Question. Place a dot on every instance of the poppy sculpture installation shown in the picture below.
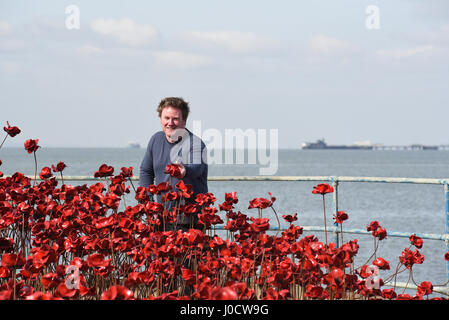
(73, 242)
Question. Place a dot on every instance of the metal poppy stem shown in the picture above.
(4, 140)
(325, 227)
(132, 185)
(35, 167)
(277, 218)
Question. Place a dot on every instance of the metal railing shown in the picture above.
(334, 181)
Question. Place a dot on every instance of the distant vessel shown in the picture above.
(133, 144)
(321, 144)
(366, 145)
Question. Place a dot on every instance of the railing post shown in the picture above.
(335, 198)
(446, 213)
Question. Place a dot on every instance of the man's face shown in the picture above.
(171, 119)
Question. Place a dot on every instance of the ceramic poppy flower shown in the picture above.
(381, 263)
(174, 170)
(12, 131)
(31, 145)
(260, 224)
(117, 293)
(373, 226)
(340, 217)
(205, 198)
(380, 233)
(322, 188)
(416, 241)
(97, 260)
(225, 293)
(425, 288)
(127, 172)
(185, 190)
(59, 167)
(45, 173)
(104, 171)
(389, 294)
(260, 203)
(12, 260)
(231, 197)
(290, 218)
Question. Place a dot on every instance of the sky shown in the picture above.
(338, 70)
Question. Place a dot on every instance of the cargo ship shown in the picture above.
(321, 144)
(133, 144)
(365, 145)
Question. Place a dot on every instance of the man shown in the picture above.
(175, 144)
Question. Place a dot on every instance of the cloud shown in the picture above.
(233, 41)
(179, 59)
(329, 45)
(126, 31)
(10, 67)
(419, 51)
(5, 28)
(88, 49)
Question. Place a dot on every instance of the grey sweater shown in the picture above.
(190, 151)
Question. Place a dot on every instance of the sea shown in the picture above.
(413, 208)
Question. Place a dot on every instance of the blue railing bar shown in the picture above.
(446, 193)
(397, 234)
(332, 179)
(438, 289)
(288, 178)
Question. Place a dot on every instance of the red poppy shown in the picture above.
(446, 256)
(205, 198)
(290, 218)
(231, 197)
(4, 272)
(425, 288)
(373, 226)
(380, 233)
(174, 170)
(104, 171)
(416, 241)
(117, 293)
(97, 260)
(12, 260)
(389, 294)
(409, 258)
(31, 145)
(225, 293)
(127, 172)
(12, 131)
(260, 224)
(313, 291)
(45, 173)
(340, 217)
(381, 263)
(40, 296)
(59, 167)
(50, 280)
(163, 187)
(186, 191)
(65, 292)
(260, 203)
(322, 188)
